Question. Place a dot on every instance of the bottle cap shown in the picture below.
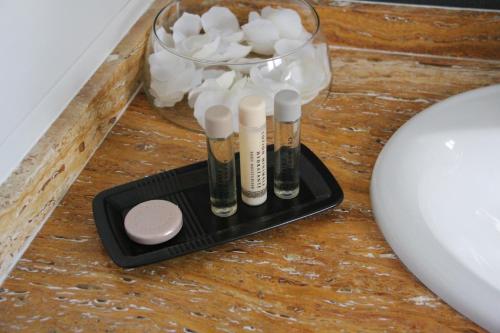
(252, 111)
(218, 122)
(153, 222)
(287, 106)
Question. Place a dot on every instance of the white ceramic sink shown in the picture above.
(435, 193)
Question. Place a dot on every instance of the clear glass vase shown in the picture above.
(181, 86)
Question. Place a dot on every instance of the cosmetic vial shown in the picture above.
(253, 163)
(221, 164)
(287, 113)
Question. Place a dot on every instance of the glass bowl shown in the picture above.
(181, 86)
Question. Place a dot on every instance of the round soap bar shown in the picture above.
(153, 222)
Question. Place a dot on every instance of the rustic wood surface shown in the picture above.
(330, 272)
(34, 189)
(416, 29)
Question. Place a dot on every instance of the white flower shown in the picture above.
(273, 32)
(227, 89)
(219, 20)
(171, 77)
(286, 20)
(216, 81)
(308, 71)
(193, 44)
(187, 25)
(231, 51)
(261, 34)
(268, 80)
(284, 46)
(221, 40)
(208, 50)
(165, 38)
(214, 91)
(253, 16)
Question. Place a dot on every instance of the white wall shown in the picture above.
(48, 50)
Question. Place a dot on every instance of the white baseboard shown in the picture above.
(22, 128)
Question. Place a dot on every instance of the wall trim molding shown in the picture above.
(37, 185)
(21, 139)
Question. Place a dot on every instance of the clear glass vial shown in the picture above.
(287, 113)
(221, 164)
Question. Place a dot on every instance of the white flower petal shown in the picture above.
(208, 49)
(166, 38)
(205, 100)
(307, 76)
(207, 85)
(183, 83)
(168, 100)
(239, 84)
(171, 77)
(310, 75)
(262, 91)
(221, 20)
(241, 89)
(154, 89)
(286, 20)
(266, 49)
(306, 51)
(284, 46)
(267, 81)
(212, 73)
(235, 37)
(270, 78)
(163, 89)
(253, 16)
(221, 82)
(260, 31)
(267, 11)
(234, 51)
(261, 34)
(187, 25)
(196, 79)
(238, 76)
(243, 65)
(165, 65)
(158, 58)
(178, 37)
(246, 87)
(160, 73)
(226, 80)
(193, 44)
(304, 35)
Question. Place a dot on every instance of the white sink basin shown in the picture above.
(435, 193)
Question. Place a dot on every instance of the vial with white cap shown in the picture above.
(253, 162)
(287, 113)
(221, 165)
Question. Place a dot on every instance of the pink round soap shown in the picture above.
(153, 222)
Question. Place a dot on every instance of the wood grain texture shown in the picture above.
(444, 32)
(33, 190)
(330, 272)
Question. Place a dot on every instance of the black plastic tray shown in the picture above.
(188, 188)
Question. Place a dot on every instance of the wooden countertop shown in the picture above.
(330, 272)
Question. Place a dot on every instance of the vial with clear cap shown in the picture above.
(287, 113)
(221, 164)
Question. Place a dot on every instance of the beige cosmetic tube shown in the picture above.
(253, 163)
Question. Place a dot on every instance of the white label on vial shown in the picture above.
(253, 165)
